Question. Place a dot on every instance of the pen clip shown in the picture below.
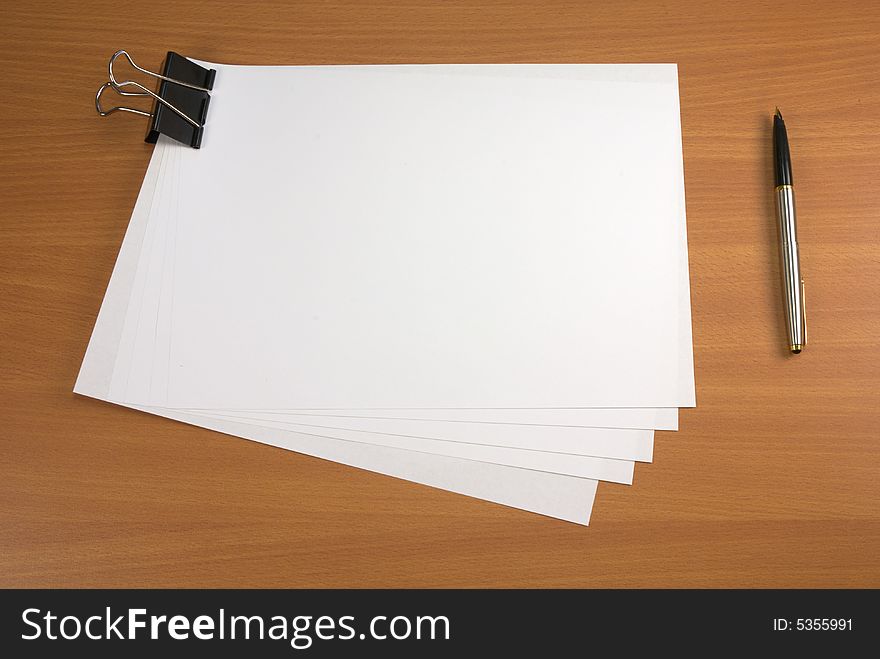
(804, 307)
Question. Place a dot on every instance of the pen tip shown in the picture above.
(778, 113)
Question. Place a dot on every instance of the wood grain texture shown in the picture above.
(772, 480)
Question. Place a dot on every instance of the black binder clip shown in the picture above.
(180, 106)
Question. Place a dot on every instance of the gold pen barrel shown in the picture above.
(791, 269)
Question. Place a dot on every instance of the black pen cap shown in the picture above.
(781, 154)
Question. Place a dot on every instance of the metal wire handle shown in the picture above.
(117, 87)
(122, 53)
(116, 108)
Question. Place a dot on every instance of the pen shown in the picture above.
(792, 283)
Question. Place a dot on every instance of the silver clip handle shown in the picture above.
(117, 87)
(117, 84)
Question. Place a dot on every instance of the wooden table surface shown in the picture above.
(772, 481)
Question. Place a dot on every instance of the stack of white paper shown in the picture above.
(468, 276)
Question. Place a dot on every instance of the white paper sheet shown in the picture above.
(461, 379)
(622, 444)
(564, 497)
(626, 418)
(659, 418)
(585, 466)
